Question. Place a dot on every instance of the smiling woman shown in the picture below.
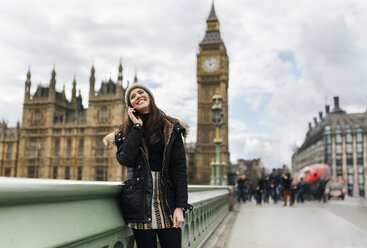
(154, 195)
(139, 99)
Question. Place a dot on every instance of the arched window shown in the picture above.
(101, 149)
(57, 147)
(68, 147)
(32, 171)
(104, 115)
(35, 148)
(9, 152)
(54, 172)
(81, 148)
(101, 173)
(37, 116)
(67, 172)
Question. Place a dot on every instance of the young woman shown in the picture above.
(150, 144)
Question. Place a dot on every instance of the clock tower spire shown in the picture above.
(212, 23)
(212, 75)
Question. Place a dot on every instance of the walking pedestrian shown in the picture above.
(250, 189)
(274, 184)
(266, 189)
(259, 190)
(241, 188)
(301, 190)
(149, 143)
(294, 192)
(287, 182)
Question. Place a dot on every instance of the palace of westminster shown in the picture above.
(60, 139)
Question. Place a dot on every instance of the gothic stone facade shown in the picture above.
(61, 139)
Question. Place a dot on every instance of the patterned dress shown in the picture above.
(160, 219)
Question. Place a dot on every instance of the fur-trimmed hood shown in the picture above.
(171, 122)
(171, 125)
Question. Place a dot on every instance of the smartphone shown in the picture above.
(137, 114)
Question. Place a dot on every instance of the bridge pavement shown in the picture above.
(311, 224)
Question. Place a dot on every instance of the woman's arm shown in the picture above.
(128, 146)
(178, 172)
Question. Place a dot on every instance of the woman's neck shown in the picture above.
(145, 117)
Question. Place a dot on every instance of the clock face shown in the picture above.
(210, 64)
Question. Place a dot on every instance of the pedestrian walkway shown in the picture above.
(352, 201)
(352, 209)
(301, 226)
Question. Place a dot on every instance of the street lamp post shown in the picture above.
(217, 177)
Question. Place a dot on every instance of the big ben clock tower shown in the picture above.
(212, 77)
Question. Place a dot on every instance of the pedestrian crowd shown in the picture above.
(278, 186)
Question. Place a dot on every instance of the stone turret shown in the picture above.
(120, 76)
(27, 91)
(73, 91)
(320, 116)
(337, 108)
(135, 78)
(52, 88)
(327, 109)
(92, 81)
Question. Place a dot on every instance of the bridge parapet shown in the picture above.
(64, 213)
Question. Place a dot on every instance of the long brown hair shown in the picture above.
(153, 129)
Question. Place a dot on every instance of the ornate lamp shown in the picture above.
(217, 177)
(217, 109)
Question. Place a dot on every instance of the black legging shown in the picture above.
(168, 238)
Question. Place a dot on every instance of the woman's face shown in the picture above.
(139, 100)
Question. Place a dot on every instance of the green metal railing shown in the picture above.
(62, 213)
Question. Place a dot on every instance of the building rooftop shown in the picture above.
(337, 119)
(212, 37)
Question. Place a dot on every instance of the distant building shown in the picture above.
(60, 139)
(9, 147)
(285, 169)
(190, 149)
(252, 168)
(338, 139)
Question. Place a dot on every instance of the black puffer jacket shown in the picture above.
(137, 194)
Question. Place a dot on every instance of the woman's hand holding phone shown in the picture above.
(134, 117)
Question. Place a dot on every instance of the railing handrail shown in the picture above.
(29, 190)
(92, 208)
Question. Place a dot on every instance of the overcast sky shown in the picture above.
(288, 58)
